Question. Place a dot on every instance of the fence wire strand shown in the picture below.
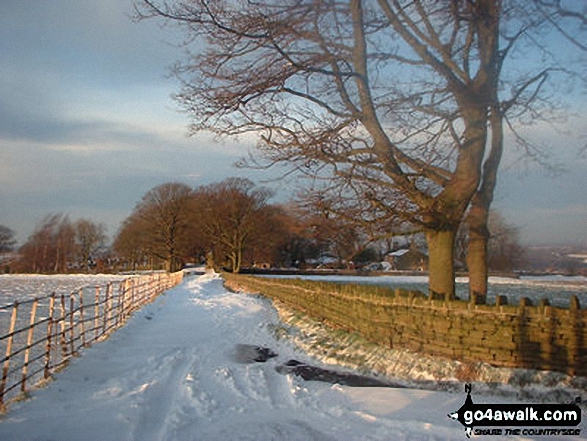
(40, 335)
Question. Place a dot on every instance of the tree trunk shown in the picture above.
(57, 257)
(169, 263)
(441, 263)
(478, 214)
(477, 253)
(210, 260)
(238, 256)
(233, 257)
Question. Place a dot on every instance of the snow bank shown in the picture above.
(172, 373)
(420, 371)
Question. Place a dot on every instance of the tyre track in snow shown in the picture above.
(209, 389)
(157, 401)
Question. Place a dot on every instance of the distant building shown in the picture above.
(323, 262)
(378, 266)
(410, 259)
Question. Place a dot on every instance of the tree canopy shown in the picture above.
(58, 245)
(401, 104)
(229, 220)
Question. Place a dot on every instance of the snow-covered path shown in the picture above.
(172, 373)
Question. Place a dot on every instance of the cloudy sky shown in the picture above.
(88, 126)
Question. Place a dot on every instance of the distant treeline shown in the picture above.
(60, 245)
(231, 225)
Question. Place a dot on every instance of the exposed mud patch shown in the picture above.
(313, 373)
(252, 354)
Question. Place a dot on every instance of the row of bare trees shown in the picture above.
(57, 244)
(231, 224)
(175, 224)
(400, 107)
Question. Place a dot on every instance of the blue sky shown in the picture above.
(87, 122)
(88, 126)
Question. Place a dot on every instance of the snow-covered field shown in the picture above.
(557, 289)
(27, 286)
(176, 372)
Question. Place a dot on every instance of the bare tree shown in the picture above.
(65, 245)
(554, 30)
(49, 248)
(130, 242)
(403, 103)
(163, 217)
(268, 244)
(89, 237)
(298, 241)
(339, 226)
(232, 213)
(504, 250)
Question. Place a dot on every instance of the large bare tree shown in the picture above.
(232, 214)
(50, 248)
(541, 61)
(89, 237)
(163, 216)
(401, 103)
(130, 242)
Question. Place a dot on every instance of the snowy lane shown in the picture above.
(173, 373)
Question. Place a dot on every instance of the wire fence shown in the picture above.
(39, 336)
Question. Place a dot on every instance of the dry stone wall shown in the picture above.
(534, 337)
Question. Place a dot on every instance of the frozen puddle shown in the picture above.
(201, 363)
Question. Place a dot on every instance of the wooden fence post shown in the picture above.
(29, 342)
(133, 295)
(107, 308)
(120, 304)
(97, 313)
(124, 297)
(47, 371)
(71, 324)
(63, 338)
(151, 290)
(147, 292)
(8, 352)
(81, 317)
